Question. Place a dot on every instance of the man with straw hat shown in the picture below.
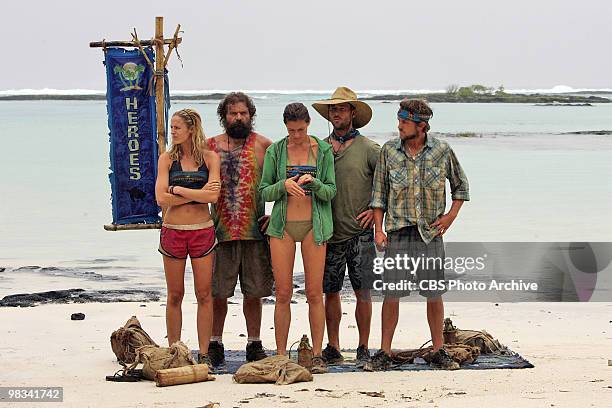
(352, 245)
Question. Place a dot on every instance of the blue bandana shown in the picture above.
(413, 116)
(351, 134)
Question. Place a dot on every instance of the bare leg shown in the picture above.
(333, 315)
(283, 256)
(251, 307)
(390, 316)
(435, 318)
(219, 313)
(363, 315)
(314, 264)
(175, 285)
(202, 281)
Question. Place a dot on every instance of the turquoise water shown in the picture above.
(527, 181)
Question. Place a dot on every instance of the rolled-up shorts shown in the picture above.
(179, 240)
(427, 276)
(247, 259)
(355, 254)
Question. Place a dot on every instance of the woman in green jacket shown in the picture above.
(298, 175)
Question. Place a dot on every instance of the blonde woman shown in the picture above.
(188, 179)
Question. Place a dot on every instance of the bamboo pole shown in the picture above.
(160, 65)
(159, 84)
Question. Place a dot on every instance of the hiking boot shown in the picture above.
(441, 359)
(363, 356)
(255, 351)
(319, 366)
(205, 359)
(331, 355)
(379, 362)
(216, 353)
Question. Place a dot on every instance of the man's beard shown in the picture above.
(238, 129)
(342, 127)
(409, 137)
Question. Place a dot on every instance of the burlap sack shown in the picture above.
(154, 358)
(275, 369)
(480, 339)
(126, 339)
(458, 352)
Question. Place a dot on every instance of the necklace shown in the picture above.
(413, 152)
(233, 169)
(336, 152)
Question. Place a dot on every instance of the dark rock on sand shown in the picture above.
(77, 316)
(79, 296)
(2, 269)
(267, 301)
(28, 268)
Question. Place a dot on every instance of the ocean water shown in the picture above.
(528, 182)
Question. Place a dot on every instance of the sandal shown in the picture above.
(124, 375)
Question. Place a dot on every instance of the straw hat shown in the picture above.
(363, 112)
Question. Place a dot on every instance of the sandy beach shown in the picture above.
(568, 343)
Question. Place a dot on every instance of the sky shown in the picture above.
(318, 44)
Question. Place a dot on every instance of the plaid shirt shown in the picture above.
(412, 190)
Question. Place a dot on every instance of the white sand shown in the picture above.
(569, 344)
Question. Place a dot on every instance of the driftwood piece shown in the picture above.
(145, 43)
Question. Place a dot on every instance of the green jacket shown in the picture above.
(272, 188)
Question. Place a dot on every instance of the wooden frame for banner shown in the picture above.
(161, 60)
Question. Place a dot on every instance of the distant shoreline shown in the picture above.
(51, 97)
(496, 98)
(431, 97)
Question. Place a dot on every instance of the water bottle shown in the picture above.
(305, 353)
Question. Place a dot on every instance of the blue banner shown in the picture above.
(133, 136)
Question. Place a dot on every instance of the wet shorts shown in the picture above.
(247, 259)
(428, 274)
(195, 240)
(355, 254)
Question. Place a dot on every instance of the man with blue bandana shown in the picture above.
(409, 192)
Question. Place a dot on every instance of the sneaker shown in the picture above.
(441, 359)
(319, 366)
(255, 351)
(363, 356)
(379, 362)
(331, 355)
(216, 353)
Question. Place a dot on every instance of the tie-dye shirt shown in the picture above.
(239, 205)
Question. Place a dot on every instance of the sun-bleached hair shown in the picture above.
(198, 140)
